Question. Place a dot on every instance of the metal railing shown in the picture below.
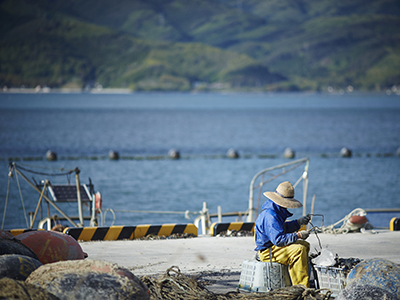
(294, 164)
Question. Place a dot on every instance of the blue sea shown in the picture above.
(143, 127)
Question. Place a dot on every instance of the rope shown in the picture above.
(179, 286)
(343, 229)
(45, 174)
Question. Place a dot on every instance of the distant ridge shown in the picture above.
(201, 45)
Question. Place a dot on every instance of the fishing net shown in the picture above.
(175, 285)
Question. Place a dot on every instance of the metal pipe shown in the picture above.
(78, 195)
(230, 214)
(305, 188)
(382, 210)
(93, 214)
(156, 211)
(250, 217)
(312, 207)
(39, 202)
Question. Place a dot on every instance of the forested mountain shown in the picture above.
(201, 44)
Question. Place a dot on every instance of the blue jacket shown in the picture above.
(271, 227)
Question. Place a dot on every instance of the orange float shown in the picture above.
(51, 246)
(99, 201)
(358, 219)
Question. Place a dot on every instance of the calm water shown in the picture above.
(83, 128)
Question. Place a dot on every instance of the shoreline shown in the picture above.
(127, 91)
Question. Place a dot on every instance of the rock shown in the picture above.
(379, 273)
(14, 289)
(89, 279)
(17, 267)
(365, 292)
(4, 234)
(52, 246)
(14, 246)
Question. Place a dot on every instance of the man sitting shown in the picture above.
(277, 237)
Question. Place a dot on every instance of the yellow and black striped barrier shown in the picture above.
(128, 232)
(395, 224)
(15, 232)
(217, 228)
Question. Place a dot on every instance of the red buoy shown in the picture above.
(51, 246)
(358, 219)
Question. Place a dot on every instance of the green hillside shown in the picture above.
(201, 44)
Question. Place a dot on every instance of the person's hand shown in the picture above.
(304, 220)
(303, 234)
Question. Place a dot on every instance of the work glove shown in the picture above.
(303, 234)
(304, 220)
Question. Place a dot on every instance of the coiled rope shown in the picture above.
(175, 285)
(344, 228)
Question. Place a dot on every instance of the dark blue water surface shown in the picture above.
(83, 128)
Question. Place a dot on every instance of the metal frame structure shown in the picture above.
(293, 164)
(47, 186)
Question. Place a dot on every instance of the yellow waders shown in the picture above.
(295, 256)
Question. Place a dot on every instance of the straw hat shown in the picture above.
(284, 196)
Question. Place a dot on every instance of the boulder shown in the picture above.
(88, 279)
(379, 273)
(15, 289)
(17, 267)
(365, 292)
(4, 234)
(14, 246)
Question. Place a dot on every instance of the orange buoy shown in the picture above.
(358, 219)
(52, 246)
(99, 201)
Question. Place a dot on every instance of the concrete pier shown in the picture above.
(224, 255)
